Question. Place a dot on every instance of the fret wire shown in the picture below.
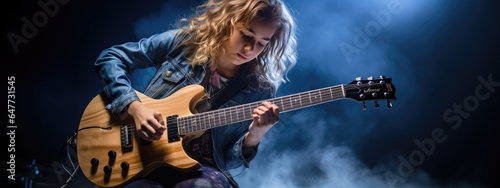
(212, 116)
(187, 126)
(231, 115)
(206, 120)
(237, 114)
(215, 119)
(310, 98)
(184, 126)
(244, 111)
(194, 121)
(238, 111)
(331, 92)
(320, 98)
(300, 99)
(226, 118)
(282, 103)
(179, 125)
(250, 110)
(220, 119)
(199, 120)
(209, 117)
(303, 102)
(203, 120)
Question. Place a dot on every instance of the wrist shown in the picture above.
(131, 107)
(251, 140)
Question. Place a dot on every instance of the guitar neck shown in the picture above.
(240, 113)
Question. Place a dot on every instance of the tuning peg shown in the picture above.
(359, 78)
(370, 78)
(389, 105)
(376, 104)
(364, 106)
(382, 77)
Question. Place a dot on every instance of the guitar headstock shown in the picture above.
(371, 90)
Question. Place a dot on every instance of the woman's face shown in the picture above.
(246, 44)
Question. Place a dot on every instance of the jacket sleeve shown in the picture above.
(114, 63)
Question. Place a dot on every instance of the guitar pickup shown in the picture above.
(172, 129)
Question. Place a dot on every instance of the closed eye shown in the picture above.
(246, 36)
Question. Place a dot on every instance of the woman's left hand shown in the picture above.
(264, 117)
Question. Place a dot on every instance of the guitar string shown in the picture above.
(241, 110)
(287, 104)
(237, 115)
(197, 124)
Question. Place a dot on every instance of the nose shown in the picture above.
(249, 47)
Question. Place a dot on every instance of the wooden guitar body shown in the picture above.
(108, 162)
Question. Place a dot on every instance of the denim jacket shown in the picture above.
(175, 72)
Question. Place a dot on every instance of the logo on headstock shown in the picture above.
(372, 90)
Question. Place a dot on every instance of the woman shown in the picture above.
(223, 39)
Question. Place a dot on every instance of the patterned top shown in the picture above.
(201, 148)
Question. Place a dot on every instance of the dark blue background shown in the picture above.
(433, 50)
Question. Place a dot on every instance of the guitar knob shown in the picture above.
(386, 94)
(359, 78)
(382, 77)
(370, 78)
(112, 154)
(94, 161)
(361, 96)
(374, 94)
(376, 104)
(107, 169)
(125, 165)
(389, 105)
(364, 106)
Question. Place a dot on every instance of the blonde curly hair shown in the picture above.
(205, 34)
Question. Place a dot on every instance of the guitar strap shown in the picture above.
(234, 86)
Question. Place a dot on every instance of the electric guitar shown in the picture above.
(110, 153)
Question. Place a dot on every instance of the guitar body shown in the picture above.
(101, 139)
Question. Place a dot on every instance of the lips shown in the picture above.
(242, 57)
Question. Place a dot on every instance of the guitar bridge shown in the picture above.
(172, 129)
(126, 135)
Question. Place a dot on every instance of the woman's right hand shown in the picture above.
(149, 123)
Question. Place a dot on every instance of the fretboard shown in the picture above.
(240, 113)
